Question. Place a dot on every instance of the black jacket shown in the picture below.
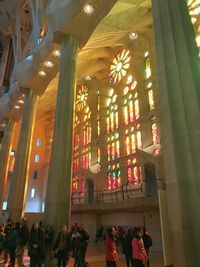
(23, 235)
(65, 239)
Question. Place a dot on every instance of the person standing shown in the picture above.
(62, 247)
(23, 241)
(139, 254)
(147, 243)
(12, 240)
(127, 246)
(36, 246)
(110, 248)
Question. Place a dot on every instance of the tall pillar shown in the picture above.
(17, 193)
(4, 156)
(58, 197)
(178, 74)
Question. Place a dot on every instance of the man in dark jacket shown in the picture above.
(127, 246)
(23, 240)
(147, 243)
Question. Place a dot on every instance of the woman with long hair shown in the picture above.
(36, 246)
(139, 254)
(62, 247)
(110, 248)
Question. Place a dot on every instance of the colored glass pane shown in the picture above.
(155, 134)
(139, 140)
(81, 99)
(137, 110)
(148, 68)
(119, 66)
(151, 100)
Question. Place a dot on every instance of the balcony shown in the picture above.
(129, 197)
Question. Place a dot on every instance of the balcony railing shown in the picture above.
(125, 192)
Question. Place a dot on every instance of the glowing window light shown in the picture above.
(117, 149)
(33, 193)
(198, 40)
(133, 144)
(109, 180)
(151, 100)
(126, 90)
(148, 68)
(119, 182)
(37, 158)
(137, 110)
(128, 150)
(136, 174)
(81, 99)
(48, 64)
(5, 205)
(113, 151)
(116, 120)
(108, 152)
(131, 113)
(111, 92)
(42, 73)
(56, 53)
(119, 66)
(129, 172)
(146, 54)
(126, 115)
(129, 79)
(114, 98)
(139, 140)
(155, 134)
(133, 85)
(98, 155)
(29, 58)
(38, 142)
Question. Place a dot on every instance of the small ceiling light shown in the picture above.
(17, 107)
(2, 125)
(48, 64)
(88, 9)
(21, 101)
(146, 54)
(56, 53)
(133, 35)
(88, 78)
(42, 73)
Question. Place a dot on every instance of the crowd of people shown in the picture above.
(135, 246)
(42, 246)
(39, 241)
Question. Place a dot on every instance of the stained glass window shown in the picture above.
(194, 10)
(81, 99)
(75, 184)
(151, 100)
(134, 171)
(113, 177)
(119, 66)
(112, 120)
(148, 68)
(113, 149)
(155, 134)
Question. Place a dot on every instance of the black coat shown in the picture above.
(23, 235)
(66, 239)
(127, 244)
(37, 238)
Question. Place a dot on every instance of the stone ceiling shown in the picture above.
(95, 57)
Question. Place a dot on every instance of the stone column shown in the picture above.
(17, 193)
(4, 156)
(58, 197)
(178, 74)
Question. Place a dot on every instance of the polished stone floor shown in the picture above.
(95, 258)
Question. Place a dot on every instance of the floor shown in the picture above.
(95, 258)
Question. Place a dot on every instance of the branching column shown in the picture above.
(17, 193)
(4, 156)
(58, 197)
(179, 82)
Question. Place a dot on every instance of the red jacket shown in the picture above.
(139, 252)
(110, 250)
